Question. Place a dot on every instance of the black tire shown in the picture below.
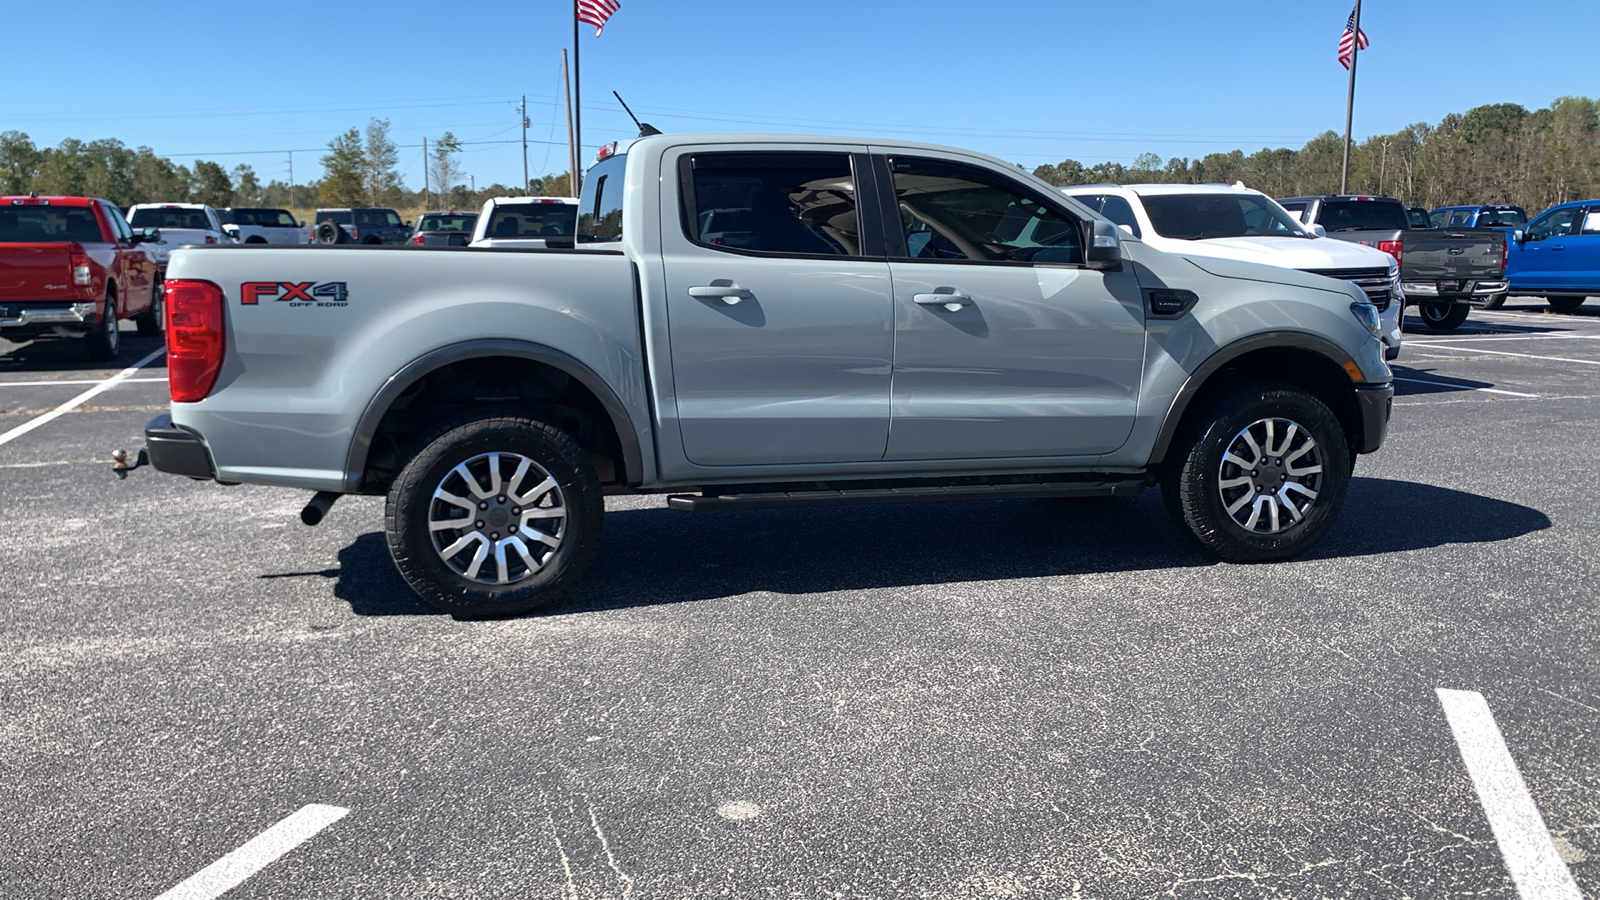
(1565, 304)
(153, 322)
(104, 342)
(255, 239)
(420, 552)
(1495, 301)
(1194, 482)
(330, 233)
(369, 240)
(1442, 316)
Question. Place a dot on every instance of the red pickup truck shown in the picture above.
(72, 266)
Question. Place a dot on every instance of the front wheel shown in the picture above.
(1442, 316)
(1564, 304)
(1261, 475)
(495, 517)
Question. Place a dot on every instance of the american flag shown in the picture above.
(596, 12)
(1352, 40)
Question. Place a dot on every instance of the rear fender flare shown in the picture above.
(372, 417)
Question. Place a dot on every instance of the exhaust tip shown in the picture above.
(314, 511)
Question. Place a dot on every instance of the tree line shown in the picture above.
(1498, 153)
(359, 169)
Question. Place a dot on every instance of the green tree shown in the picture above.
(157, 180)
(380, 181)
(344, 172)
(210, 184)
(556, 185)
(19, 163)
(246, 187)
(444, 171)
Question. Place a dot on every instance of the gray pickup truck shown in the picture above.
(890, 322)
(1444, 271)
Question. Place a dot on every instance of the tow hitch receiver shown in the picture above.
(121, 466)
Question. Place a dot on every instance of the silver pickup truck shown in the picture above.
(863, 322)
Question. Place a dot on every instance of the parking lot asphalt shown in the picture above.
(1000, 699)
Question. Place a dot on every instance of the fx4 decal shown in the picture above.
(305, 293)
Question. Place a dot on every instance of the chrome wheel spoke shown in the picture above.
(1270, 475)
(1299, 488)
(466, 475)
(449, 524)
(513, 486)
(444, 496)
(494, 473)
(495, 542)
(538, 492)
(500, 563)
(1229, 457)
(1228, 484)
(522, 549)
(549, 540)
(1313, 469)
(1235, 506)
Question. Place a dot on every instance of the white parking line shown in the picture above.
(1568, 359)
(6, 384)
(79, 400)
(1462, 387)
(256, 854)
(1525, 844)
(1427, 342)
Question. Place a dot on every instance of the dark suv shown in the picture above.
(361, 225)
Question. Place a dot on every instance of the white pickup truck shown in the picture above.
(887, 322)
(525, 223)
(180, 224)
(260, 225)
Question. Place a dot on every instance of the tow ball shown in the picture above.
(120, 465)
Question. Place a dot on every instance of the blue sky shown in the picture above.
(1031, 82)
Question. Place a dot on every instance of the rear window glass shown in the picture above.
(47, 224)
(162, 217)
(789, 203)
(601, 219)
(1360, 215)
(273, 218)
(447, 223)
(1502, 218)
(532, 220)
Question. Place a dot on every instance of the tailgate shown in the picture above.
(1474, 254)
(36, 271)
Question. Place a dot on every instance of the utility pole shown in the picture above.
(577, 104)
(572, 145)
(424, 173)
(1350, 101)
(524, 145)
(291, 177)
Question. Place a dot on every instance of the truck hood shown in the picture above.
(1226, 268)
(1289, 252)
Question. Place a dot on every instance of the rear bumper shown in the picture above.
(1374, 402)
(1453, 291)
(16, 315)
(177, 450)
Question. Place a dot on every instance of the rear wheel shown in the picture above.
(1442, 316)
(104, 342)
(330, 233)
(151, 323)
(1261, 475)
(1495, 301)
(1564, 304)
(255, 239)
(495, 516)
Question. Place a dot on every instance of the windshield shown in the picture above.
(1363, 215)
(447, 223)
(164, 217)
(532, 220)
(1193, 217)
(1501, 218)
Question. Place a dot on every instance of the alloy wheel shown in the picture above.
(1270, 476)
(497, 518)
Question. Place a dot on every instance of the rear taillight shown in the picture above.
(210, 239)
(1394, 248)
(355, 233)
(81, 275)
(195, 338)
(417, 240)
(1505, 254)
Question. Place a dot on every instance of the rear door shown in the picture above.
(1578, 262)
(781, 330)
(1006, 346)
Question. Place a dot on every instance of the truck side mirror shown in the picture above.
(1105, 246)
(147, 236)
(1519, 235)
(1319, 231)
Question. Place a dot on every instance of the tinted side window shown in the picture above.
(1120, 211)
(342, 216)
(1591, 221)
(366, 218)
(791, 203)
(953, 211)
(1460, 218)
(1551, 224)
(600, 210)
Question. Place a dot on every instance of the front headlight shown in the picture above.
(1396, 289)
(1367, 315)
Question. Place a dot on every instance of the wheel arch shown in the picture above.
(585, 387)
(1306, 360)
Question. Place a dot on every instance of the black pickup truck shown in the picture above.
(1444, 271)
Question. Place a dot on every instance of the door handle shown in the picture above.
(727, 293)
(951, 301)
(1558, 247)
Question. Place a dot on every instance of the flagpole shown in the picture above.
(1350, 101)
(577, 109)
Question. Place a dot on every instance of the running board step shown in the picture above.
(1122, 487)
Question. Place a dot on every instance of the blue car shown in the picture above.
(1504, 218)
(1557, 255)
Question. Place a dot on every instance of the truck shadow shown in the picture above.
(657, 556)
(67, 355)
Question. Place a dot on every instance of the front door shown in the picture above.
(1538, 261)
(1006, 345)
(780, 321)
